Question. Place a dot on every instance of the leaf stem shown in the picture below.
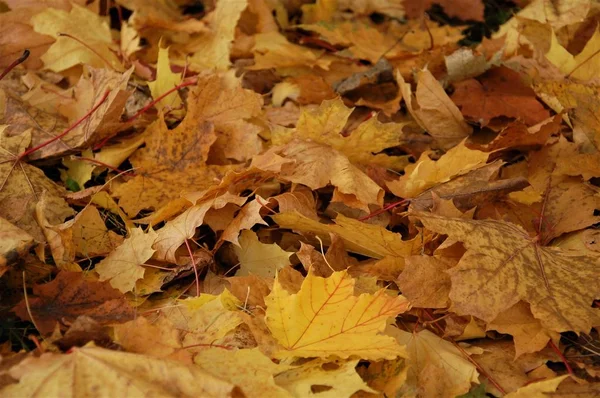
(68, 130)
(14, 64)
(160, 97)
(561, 356)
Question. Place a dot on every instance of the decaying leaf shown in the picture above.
(501, 257)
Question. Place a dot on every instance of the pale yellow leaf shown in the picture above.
(123, 266)
(257, 258)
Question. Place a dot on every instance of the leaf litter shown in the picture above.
(330, 199)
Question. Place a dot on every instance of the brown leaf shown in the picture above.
(68, 296)
(502, 93)
(425, 282)
(14, 242)
(503, 265)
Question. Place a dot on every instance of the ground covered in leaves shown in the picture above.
(278, 198)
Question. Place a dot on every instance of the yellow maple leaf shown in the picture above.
(339, 377)
(249, 369)
(86, 27)
(436, 366)
(94, 371)
(503, 265)
(165, 81)
(123, 266)
(325, 318)
(325, 125)
(211, 51)
(259, 258)
(427, 173)
(362, 238)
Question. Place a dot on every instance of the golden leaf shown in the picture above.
(366, 239)
(427, 173)
(165, 81)
(325, 318)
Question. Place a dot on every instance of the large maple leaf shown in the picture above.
(503, 265)
(326, 318)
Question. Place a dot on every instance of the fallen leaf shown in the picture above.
(424, 281)
(436, 366)
(91, 370)
(325, 318)
(427, 173)
(517, 268)
(124, 265)
(338, 379)
(14, 242)
(527, 332)
(366, 239)
(86, 27)
(165, 81)
(211, 51)
(538, 389)
(257, 258)
(433, 110)
(251, 370)
(68, 296)
(364, 145)
(502, 93)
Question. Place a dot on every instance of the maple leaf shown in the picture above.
(437, 367)
(123, 266)
(583, 66)
(424, 281)
(249, 369)
(498, 98)
(178, 157)
(433, 110)
(325, 318)
(165, 81)
(211, 51)
(366, 239)
(83, 25)
(426, 173)
(538, 389)
(91, 370)
(317, 166)
(339, 377)
(364, 145)
(528, 334)
(68, 296)
(503, 265)
(259, 258)
(21, 187)
(14, 242)
(157, 339)
(273, 50)
(206, 319)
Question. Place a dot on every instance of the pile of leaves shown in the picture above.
(282, 198)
